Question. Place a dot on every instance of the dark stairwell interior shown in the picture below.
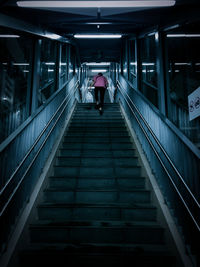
(97, 207)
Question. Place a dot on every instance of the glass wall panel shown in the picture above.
(63, 67)
(132, 63)
(124, 67)
(148, 68)
(71, 62)
(47, 70)
(15, 72)
(184, 78)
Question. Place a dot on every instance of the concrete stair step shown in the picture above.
(98, 146)
(97, 162)
(97, 139)
(99, 131)
(126, 153)
(114, 123)
(96, 195)
(90, 255)
(97, 134)
(93, 182)
(97, 232)
(97, 172)
(82, 211)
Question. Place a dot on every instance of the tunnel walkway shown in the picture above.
(97, 210)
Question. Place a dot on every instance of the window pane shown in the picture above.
(148, 69)
(71, 63)
(63, 75)
(184, 78)
(132, 63)
(15, 71)
(47, 70)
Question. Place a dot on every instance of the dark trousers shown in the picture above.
(100, 90)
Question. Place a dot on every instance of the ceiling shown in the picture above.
(67, 22)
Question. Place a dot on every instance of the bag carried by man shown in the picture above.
(89, 97)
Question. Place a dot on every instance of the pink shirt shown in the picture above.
(100, 81)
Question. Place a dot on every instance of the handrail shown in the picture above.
(165, 153)
(28, 121)
(33, 146)
(163, 150)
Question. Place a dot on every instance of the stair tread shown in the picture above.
(59, 189)
(111, 247)
(99, 205)
(95, 224)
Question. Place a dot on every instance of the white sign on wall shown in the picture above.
(194, 104)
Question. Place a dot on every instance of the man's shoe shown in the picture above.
(100, 111)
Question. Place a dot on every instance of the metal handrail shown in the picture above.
(33, 146)
(165, 153)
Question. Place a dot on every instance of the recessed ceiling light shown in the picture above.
(9, 36)
(96, 4)
(100, 70)
(183, 35)
(98, 36)
(98, 64)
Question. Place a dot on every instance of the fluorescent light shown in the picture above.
(98, 64)
(53, 36)
(95, 4)
(100, 70)
(9, 36)
(182, 64)
(183, 35)
(99, 23)
(49, 63)
(21, 64)
(148, 64)
(97, 36)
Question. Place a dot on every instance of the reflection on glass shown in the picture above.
(184, 78)
(148, 68)
(132, 64)
(64, 73)
(47, 70)
(15, 64)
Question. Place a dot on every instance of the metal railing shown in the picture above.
(183, 193)
(18, 187)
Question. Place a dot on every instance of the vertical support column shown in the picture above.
(36, 75)
(29, 87)
(138, 63)
(161, 72)
(58, 66)
(128, 59)
(68, 60)
(167, 78)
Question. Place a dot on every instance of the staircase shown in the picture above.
(96, 210)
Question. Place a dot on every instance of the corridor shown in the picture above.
(80, 187)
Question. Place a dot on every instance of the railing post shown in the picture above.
(161, 72)
(36, 75)
(138, 63)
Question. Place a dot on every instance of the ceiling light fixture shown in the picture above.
(100, 70)
(183, 35)
(95, 4)
(98, 36)
(52, 36)
(9, 36)
(98, 64)
(98, 23)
